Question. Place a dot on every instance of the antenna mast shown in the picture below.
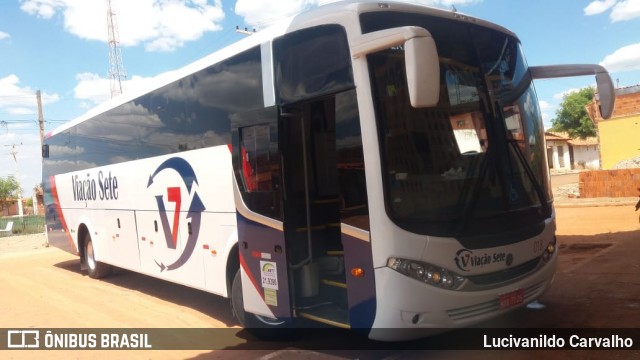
(116, 67)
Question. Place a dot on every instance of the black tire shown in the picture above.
(96, 269)
(260, 326)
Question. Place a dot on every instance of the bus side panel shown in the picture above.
(263, 259)
(217, 237)
(171, 217)
(362, 291)
(116, 230)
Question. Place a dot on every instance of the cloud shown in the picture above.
(159, 25)
(27, 156)
(624, 59)
(546, 109)
(42, 8)
(4, 35)
(20, 111)
(96, 89)
(18, 100)
(562, 95)
(598, 7)
(261, 13)
(92, 87)
(544, 105)
(623, 10)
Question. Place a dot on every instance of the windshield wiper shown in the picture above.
(468, 210)
(527, 169)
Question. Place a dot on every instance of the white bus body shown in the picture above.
(302, 174)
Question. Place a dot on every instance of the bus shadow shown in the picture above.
(206, 303)
(70, 265)
(579, 290)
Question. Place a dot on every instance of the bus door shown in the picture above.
(262, 248)
(311, 211)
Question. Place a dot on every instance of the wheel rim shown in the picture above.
(91, 261)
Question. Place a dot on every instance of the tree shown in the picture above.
(572, 117)
(9, 191)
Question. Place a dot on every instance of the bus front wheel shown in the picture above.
(260, 326)
(96, 269)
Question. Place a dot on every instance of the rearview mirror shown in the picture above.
(604, 83)
(421, 59)
(423, 71)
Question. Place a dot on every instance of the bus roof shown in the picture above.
(329, 13)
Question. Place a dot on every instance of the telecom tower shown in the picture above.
(116, 68)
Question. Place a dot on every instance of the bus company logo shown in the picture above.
(466, 260)
(174, 195)
(88, 189)
(269, 269)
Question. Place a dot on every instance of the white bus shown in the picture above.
(367, 165)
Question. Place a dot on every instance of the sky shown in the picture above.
(60, 47)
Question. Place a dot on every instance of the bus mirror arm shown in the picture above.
(606, 91)
(421, 59)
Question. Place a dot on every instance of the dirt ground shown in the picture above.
(41, 287)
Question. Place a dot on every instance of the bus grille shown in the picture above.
(491, 306)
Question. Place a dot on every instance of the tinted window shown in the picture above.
(191, 113)
(258, 171)
(312, 62)
(350, 161)
(474, 163)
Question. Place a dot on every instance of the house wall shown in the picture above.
(555, 160)
(587, 155)
(619, 139)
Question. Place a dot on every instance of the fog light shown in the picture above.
(551, 248)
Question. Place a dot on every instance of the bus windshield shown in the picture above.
(475, 162)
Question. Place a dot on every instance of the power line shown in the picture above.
(16, 96)
(19, 121)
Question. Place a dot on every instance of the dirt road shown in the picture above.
(596, 286)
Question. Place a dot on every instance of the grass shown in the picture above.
(30, 224)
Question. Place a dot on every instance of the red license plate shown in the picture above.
(511, 299)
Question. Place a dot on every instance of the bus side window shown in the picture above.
(350, 161)
(259, 168)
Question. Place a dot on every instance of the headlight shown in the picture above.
(427, 273)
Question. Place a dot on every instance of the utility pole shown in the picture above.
(41, 124)
(14, 152)
(116, 68)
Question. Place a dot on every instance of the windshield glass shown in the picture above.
(476, 162)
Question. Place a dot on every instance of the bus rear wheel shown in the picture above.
(260, 326)
(96, 269)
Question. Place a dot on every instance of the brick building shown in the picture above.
(619, 136)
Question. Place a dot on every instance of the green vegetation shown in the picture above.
(32, 224)
(572, 117)
(9, 191)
